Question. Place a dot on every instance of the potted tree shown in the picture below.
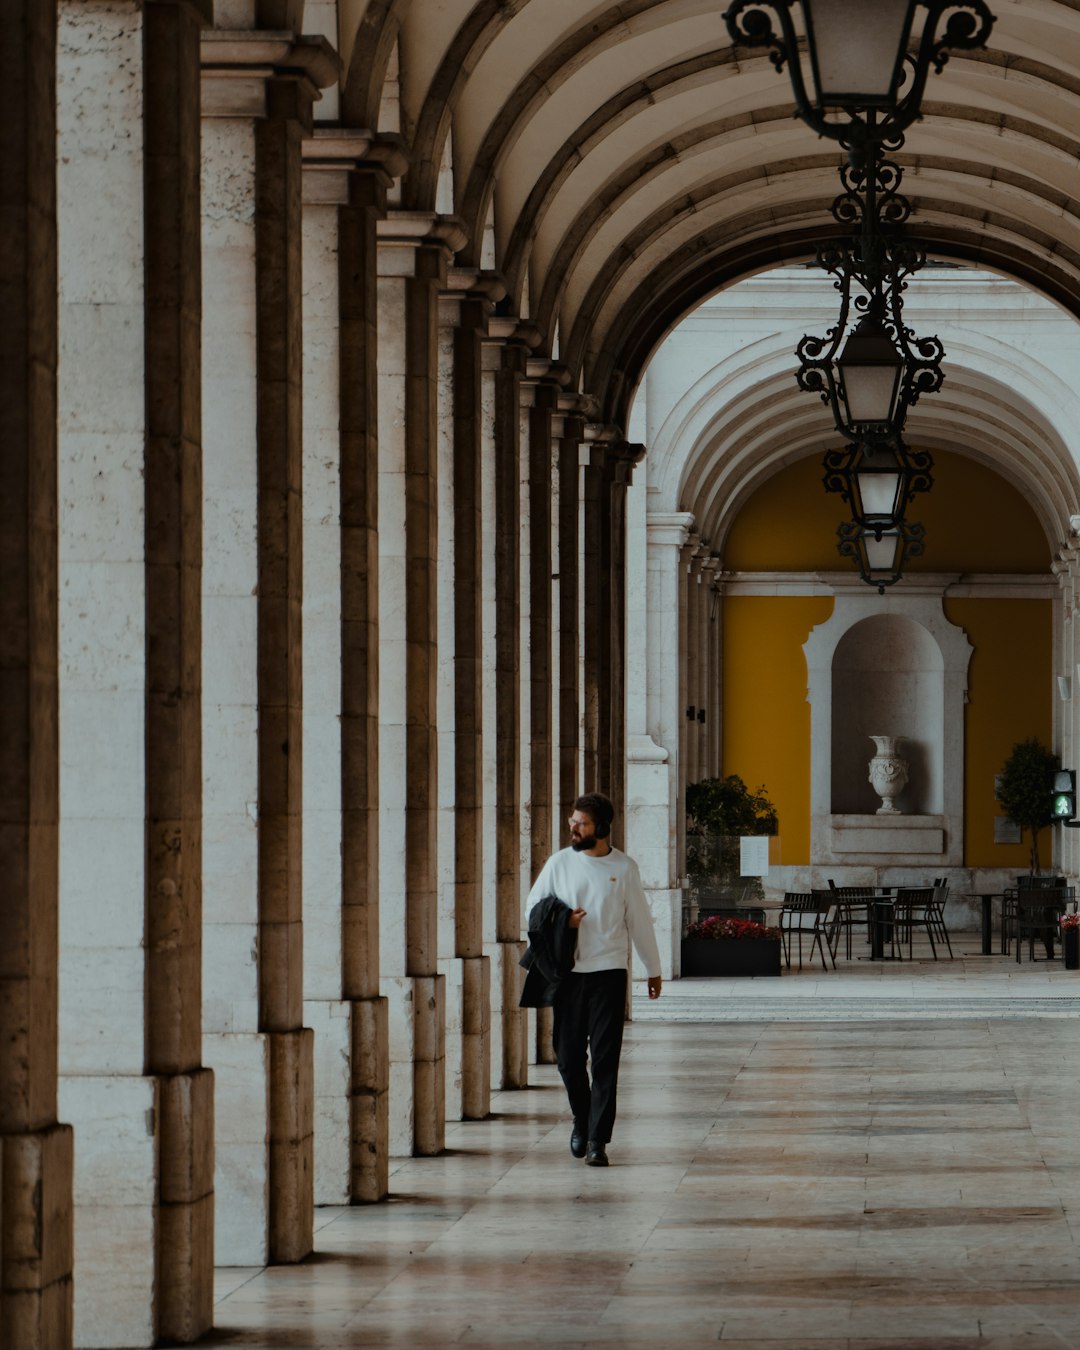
(1024, 789)
(723, 932)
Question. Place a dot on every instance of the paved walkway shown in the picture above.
(899, 1182)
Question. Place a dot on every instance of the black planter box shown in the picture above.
(734, 956)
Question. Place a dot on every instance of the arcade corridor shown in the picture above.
(867, 1184)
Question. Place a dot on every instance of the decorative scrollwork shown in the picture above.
(948, 25)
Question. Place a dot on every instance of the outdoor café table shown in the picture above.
(987, 898)
(880, 910)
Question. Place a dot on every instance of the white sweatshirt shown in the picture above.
(609, 890)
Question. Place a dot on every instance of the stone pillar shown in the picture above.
(35, 1150)
(173, 514)
(623, 457)
(693, 659)
(541, 394)
(469, 1010)
(346, 177)
(509, 701)
(684, 772)
(568, 630)
(415, 249)
(595, 632)
(130, 629)
(257, 94)
(1066, 717)
(710, 667)
(654, 798)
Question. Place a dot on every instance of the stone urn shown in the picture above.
(888, 773)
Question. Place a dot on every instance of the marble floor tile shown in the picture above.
(814, 1185)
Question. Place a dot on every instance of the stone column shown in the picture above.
(623, 458)
(1066, 718)
(542, 397)
(693, 659)
(710, 667)
(464, 572)
(356, 172)
(541, 393)
(595, 583)
(684, 773)
(568, 630)
(258, 91)
(654, 800)
(35, 1150)
(510, 696)
(346, 178)
(174, 787)
(415, 249)
(130, 630)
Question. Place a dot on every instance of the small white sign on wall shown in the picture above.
(754, 855)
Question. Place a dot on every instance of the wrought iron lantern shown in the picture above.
(858, 57)
(870, 374)
(878, 480)
(881, 555)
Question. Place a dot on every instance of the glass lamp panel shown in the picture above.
(857, 49)
(870, 392)
(878, 492)
(881, 554)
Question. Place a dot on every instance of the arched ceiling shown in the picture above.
(632, 163)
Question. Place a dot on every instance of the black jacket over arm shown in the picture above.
(550, 957)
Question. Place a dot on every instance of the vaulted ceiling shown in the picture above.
(619, 162)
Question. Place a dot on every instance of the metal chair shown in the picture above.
(913, 907)
(852, 910)
(805, 912)
(1027, 882)
(937, 915)
(1038, 911)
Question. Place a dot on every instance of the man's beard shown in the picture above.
(585, 842)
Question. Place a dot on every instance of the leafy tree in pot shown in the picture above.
(1025, 790)
(718, 811)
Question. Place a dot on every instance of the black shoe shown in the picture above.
(577, 1141)
(597, 1154)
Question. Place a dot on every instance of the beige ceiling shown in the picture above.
(631, 162)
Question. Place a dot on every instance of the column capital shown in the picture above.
(609, 449)
(668, 529)
(332, 155)
(238, 66)
(473, 283)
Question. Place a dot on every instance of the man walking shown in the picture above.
(602, 887)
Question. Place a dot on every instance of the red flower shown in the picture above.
(719, 929)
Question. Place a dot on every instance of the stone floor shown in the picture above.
(883, 1175)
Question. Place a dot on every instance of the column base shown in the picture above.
(515, 1023)
(292, 1145)
(37, 1242)
(476, 1038)
(429, 1065)
(369, 1162)
(185, 1278)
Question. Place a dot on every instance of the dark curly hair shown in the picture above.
(599, 810)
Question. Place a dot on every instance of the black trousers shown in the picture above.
(589, 1011)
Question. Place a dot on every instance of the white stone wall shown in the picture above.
(324, 1009)
(232, 1045)
(102, 427)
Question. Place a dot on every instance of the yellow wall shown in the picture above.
(975, 522)
(766, 715)
(1009, 700)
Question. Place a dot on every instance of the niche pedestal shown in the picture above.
(884, 838)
